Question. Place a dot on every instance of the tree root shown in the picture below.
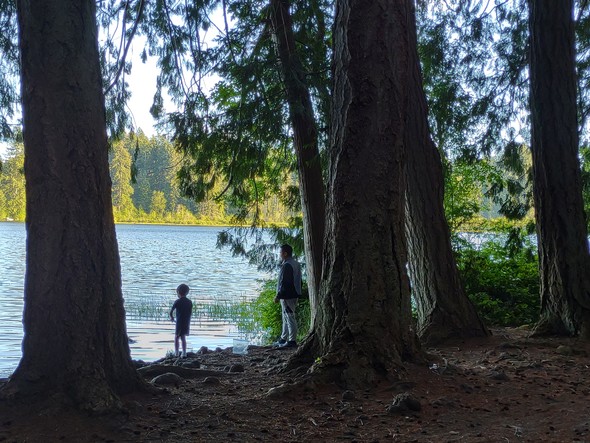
(304, 357)
(97, 399)
(155, 370)
(546, 328)
(436, 332)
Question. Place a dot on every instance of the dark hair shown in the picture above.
(182, 289)
(288, 249)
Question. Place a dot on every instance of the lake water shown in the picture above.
(154, 260)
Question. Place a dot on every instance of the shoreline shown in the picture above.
(204, 225)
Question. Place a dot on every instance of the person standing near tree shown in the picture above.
(184, 308)
(288, 291)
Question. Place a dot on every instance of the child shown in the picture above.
(184, 309)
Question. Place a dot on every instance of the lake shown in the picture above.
(154, 260)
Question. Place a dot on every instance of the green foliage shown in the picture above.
(120, 169)
(236, 132)
(152, 198)
(9, 67)
(585, 157)
(158, 204)
(465, 186)
(478, 191)
(12, 185)
(145, 188)
(3, 212)
(474, 57)
(267, 314)
(501, 278)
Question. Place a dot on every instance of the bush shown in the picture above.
(267, 314)
(502, 281)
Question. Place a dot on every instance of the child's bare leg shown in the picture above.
(183, 338)
(176, 337)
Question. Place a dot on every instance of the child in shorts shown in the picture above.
(184, 308)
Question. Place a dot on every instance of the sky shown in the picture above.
(142, 83)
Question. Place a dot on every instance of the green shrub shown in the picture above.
(501, 280)
(267, 314)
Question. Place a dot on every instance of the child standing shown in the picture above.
(184, 309)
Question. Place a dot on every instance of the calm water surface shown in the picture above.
(154, 260)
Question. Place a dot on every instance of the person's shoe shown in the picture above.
(279, 343)
(289, 344)
(183, 355)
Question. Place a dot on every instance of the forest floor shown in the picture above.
(508, 388)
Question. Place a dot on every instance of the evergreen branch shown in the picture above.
(175, 50)
(127, 46)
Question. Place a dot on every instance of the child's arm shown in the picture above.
(171, 311)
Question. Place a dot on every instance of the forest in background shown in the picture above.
(144, 172)
(144, 188)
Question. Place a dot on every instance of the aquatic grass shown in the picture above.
(241, 312)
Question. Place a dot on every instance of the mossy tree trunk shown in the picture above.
(363, 328)
(75, 341)
(444, 310)
(561, 230)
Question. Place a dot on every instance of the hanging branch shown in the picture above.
(126, 50)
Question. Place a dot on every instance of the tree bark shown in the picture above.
(305, 135)
(75, 341)
(444, 310)
(564, 259)
(363, 328)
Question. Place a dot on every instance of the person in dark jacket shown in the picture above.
(184, 308)
(288, 291)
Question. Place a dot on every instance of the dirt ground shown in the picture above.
(508, 388)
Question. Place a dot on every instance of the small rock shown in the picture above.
(582, 428)
(203, 350)
(498, 375)
(444, 402)
(212, 381)
(168, 413)
(564, 350)
(508, 345)
(168, 378)
(395, 409)
(195, 364)
(218, 349)
(467, 388)
(139, 363)
(404, 402)
(236, 368)
(403, 386)
(348, 395)
(277, 392)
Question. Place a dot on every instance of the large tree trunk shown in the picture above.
(305, 134)
(363, 328)
(563, 247)
(444, 310)
(75, 339)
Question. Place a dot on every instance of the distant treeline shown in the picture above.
(143, 172)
